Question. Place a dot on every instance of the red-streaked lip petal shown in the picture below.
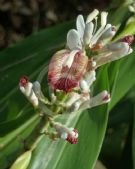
(62, 77)
(65, 84)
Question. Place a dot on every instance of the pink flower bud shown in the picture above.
(24, 81)
(73, 137)
(66, 69)
(68, 134)
(26, 88)
(128, 39)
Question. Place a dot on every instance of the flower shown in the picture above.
(87, 49)
(68, 134)
(26, 88)
(97, 42)
(99, 99)
(114, 51)
(87, 34)
(66, 69)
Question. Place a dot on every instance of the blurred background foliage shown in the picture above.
(21, 18)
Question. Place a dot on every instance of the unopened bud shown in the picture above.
(26, 88)
(24, 81)
(128, 39)
(68, 134)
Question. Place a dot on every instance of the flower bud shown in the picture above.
(88, 80)
(115, 51)
(101, 98)
(26, 88)
(68, 134)
(128, 39)
(72, 136)
(109, 33)
(24, 81)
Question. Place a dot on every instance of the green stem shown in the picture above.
(37, 134)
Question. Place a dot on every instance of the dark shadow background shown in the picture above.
(19, 18)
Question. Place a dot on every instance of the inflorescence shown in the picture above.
(72, 72)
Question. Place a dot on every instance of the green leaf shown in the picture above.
(22, 162)
(59, 154)
(125, 79)
(28, 57)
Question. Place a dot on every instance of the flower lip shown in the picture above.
(66, 70)
(128, 39)
(24, 81)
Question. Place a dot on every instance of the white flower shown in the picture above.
(87, 33)
(95, 42)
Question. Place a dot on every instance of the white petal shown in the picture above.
(96, 100)
(97, 35)
(101, 30)
(64, 135)
(84, 85)
(72, 98)
(88, 32)
(37, 87)
(119, 46)
(103, 18)
(115, 52)
(73, 40)
(70, 58)
(108, 26)
(91, 77)
(33, 99)
(70, 129)
(28, 89)
(22, 89)
(37, 90)
(80, 25)
(93, 63)
(77, 105)
(92, 15)
(76, 135)
(124, 49)
(109, 33)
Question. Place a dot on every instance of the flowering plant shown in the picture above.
(75, 102)
(72, 72)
